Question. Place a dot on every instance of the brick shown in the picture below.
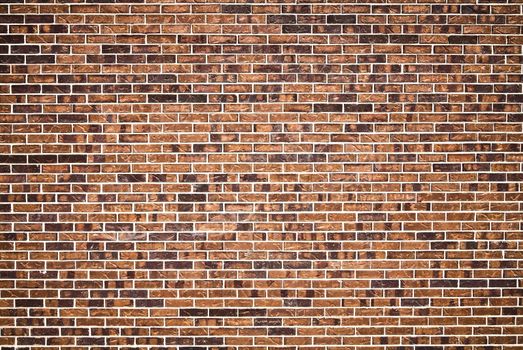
(261, 175)
(343, 19)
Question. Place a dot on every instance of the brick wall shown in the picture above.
(311, 175)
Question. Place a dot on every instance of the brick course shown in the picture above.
(263, 175)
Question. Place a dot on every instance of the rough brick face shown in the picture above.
(261, 175)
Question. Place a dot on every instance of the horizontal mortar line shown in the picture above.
(370, 243)
(304, 270)
(334, 192)
(332, 289)
(177, 78)
(269, 4)
(355, 152)
(199, 251)
(272, 174)
(268, 115)
(359, 134)
(327, 162)
(110, 104)
(267, 119)
(282, 278)
(296, 201)
(270, 289)
(347, 221)
(298, 309)
(253, 113)
(125, 148)
(313, 261)
(272, 133)
(258, 327)
(330, 192)
(212, 94)
(278, 336)
(271, 213)
(314, 4)
(362, 182)
(323, 316)
(284, 84)
(251, 64)
(265, 35)
(312, 143)
(353, 279)
(123, 35)
(262, 173)
(281, 307)
(375, 241)
(293, 279)
(292, 289)
(518, 156)
(338, 191)
(211, 232)
(449, 297)
(256, 83)
(334, 261)
(251, 250)
(319, 298)
(412, 125)
(406, 241)
(144, 240)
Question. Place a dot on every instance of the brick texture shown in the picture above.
(261, 175)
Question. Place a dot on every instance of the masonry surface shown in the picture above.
(263, 175)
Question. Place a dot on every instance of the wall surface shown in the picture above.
(261, 175)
